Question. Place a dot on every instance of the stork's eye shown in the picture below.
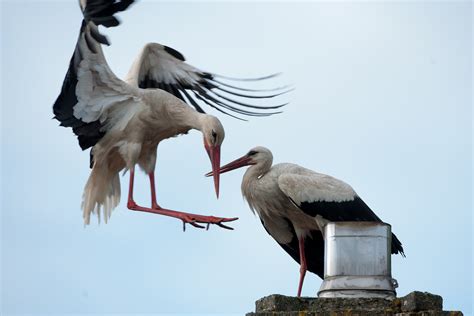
(214, 136)
(251, 153)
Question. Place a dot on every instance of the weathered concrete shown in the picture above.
(421, 301)
(413, 304)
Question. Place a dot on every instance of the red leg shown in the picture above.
(189, 218)
(130, 201)
(302, 265)
(154, 204)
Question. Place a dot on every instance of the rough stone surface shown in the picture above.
(431, 313)
(421, 301)
(414, 304)
(282, 303)
(354, 304)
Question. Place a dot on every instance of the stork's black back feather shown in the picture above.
(354, 210)
(314, 249)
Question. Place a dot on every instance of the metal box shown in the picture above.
(357, 260)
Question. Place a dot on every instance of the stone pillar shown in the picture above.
(413, 304)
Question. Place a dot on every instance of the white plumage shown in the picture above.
(304, 185)
(134, 121)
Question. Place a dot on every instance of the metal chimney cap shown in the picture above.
(357, 260)
(357, 229)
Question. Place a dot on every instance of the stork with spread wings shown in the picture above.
(124, 121)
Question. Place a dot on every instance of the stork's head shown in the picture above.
(213, 134)
(259, 156)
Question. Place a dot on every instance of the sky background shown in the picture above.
(382, 101)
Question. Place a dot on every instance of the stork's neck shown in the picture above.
(185, 116)
(195, 120)
(168, 111)
(256, 171)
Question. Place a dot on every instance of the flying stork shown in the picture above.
(124, 121)
(293, 204)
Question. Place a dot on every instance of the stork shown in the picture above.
(124, 121)
(293, 203)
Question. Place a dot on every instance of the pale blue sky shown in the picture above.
(382, 101)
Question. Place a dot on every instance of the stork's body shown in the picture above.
(292, 203)
(275, 210)
(159, 116)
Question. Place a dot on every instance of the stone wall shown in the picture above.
(413, 304)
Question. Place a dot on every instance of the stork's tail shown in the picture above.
(102, 192)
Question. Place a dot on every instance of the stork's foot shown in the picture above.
(187, 218)
(195, 220)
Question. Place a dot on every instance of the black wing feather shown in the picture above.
(101, 12)
(88, 134)
(173, 52)
(354, 210)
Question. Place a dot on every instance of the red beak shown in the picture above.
(214, 153)
(238, 163)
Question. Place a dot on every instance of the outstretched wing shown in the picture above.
(318, 194)
(92, 99)
(159, 66)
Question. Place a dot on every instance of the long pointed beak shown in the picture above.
(214, 153)
(238, 163)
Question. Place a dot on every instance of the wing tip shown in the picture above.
(101, 12)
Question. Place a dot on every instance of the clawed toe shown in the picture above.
(225, 226)
(193, 223)
(208, 220)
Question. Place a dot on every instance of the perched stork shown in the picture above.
(293, 202)
(124, 121)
